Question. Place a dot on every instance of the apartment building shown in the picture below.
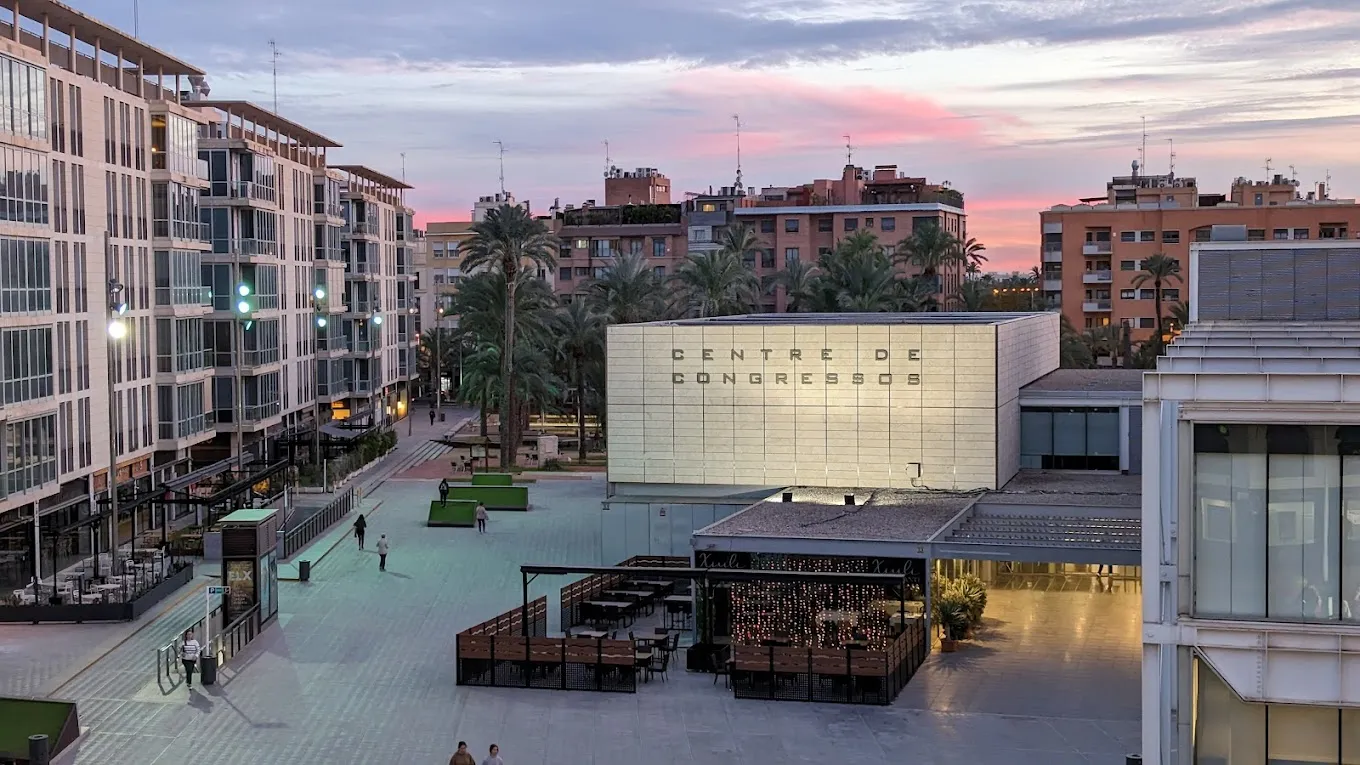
(800, 223)
(444, 242)
(637, 218)
(85, 108)
(1251, 535)
(1092, 252)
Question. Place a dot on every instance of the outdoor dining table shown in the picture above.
(616, 606)
(643, 597)
(654, 584)
(597, 634)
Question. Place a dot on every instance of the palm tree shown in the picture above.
(507, 240)
(799, 280)
(628, 291)
(480, 380)
(741, 240)
(1159, 269)
(932, 249)
(444, 343)
(1074, 353)
(1103, 341)
(972, 295)
(716, 284)
(1180, 316)
(972, 250)
(916, 294)
(580, 338)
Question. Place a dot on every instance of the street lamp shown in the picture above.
(118, 329)
(245, 311)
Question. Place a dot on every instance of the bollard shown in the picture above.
(39, 752)
(1133, 759)
(304, 571)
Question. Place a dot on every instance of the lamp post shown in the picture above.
(438, 353)
(319, 308)
(374, 381)
(118, 330)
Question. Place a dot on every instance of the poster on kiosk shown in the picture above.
(250, 564)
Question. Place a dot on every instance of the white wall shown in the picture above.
(1026, 349)
(935, 406)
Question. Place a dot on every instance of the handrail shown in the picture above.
(236, 636)
(166, 666)
(312, 527)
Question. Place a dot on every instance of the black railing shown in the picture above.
(295, 539)
(236, 636)
(168, 667)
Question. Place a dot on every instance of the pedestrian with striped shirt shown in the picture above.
(189, 651)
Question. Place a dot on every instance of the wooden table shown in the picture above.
(620, 606)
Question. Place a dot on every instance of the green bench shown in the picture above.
(493, 479)
(494, 497)
(455, 512)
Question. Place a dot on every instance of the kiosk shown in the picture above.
(250, 564)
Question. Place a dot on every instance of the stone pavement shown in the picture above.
(359, 669)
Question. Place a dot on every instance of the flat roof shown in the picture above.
(1088, 381)
(383, 180)
(270, 121)
(1086, 488)
(883, 514)
(64, 18)
(845, 209)
(448, 227)
(848, 319)
(249, 515)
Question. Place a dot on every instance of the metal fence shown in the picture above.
(236, 636)
(167, 656)
(310, 529)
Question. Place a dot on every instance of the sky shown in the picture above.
(1019, 104)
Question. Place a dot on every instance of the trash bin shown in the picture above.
(304, 571)
(207, 668)
(1133, 759)
(442, 416)
(39, 750)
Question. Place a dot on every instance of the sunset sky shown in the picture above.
(1020, 104)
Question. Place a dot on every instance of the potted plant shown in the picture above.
(951, 614)
(974, 594)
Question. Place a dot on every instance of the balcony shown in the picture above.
(334, 388)
(361, 268)
(716, 218)
(1053, 285)
(187, 231)
(259, 412)
(1096, 248)
(360, 229)
(1097, 277)
(362, 387)
(363, 345)
(1096, 306)
(330, 211)
(361, 305)
(239, 190)
(1052, 255)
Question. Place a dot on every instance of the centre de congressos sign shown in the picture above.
(882, 357)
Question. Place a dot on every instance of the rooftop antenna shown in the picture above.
(1268, 161)
(135, 29)
(736, 118)
(403, 167)
(1171, 147)
(608, 163)
(1293, 175)
(849, 150)
(1142, 152)
(500, 147)
(274, 48)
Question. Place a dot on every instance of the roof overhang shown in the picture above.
(380, 179)
(66, 20)
(268, 120)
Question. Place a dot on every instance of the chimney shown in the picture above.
(1322, 191)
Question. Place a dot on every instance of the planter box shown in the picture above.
(494, 497)
(455, 512)
(21, 718)
(492, 479)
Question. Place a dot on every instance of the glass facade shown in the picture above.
(24, 178)
(179, 345)
(182, 411)
(23, 99)
(30, 454)
(1277, 522)
(27, 367)
(1055, 438)
(179, 278)
(174, 144)
(25, 275)
(175, 213)
(1229, 731)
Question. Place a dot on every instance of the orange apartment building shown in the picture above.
(800, 223)
(1092, 252)
(637, 218)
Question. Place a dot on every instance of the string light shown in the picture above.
(793, 610)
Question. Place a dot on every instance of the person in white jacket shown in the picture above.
(382, 552)
(189, 651)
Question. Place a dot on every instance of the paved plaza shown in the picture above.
(360, 669)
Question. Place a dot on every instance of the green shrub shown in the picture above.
(553, 464)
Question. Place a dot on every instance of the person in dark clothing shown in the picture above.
(359, 526)
(462, 756)
(432, 415)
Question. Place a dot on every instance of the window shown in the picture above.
(824, 225)
(823, 251)
(790, 225)
(26, 276)
(581, 244)
(30, 453)
(1127, 265)
(1280, 233)
(1260, 199)
(564, 274)
(767, 226)
(634, 246)
(888, 224)
(1171, 237)
(23, 99)
(1147, 294)
(27, 364)
(1332, 231)
(658, 246)
(767, 258)
(1147, 322)
(851, 224)
(1300, 233)
(1069, 439)
(24, 190)
(790, 255)
(1128, 294)
(1173, 294)
(1203, 234)
(868, 222)
(1128, 236)
(1147, 236)
(175, 213)
(179, 278)
(1256, 235)
(708, 207)
(660, 271)
(582, 271)
(1270, 534)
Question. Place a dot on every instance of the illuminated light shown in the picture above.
(243, 289)
(117, 330)
(319, 293)
(321, 321)
(377, 318)
(243, 306)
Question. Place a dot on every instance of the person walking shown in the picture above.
(481, 518)
(188, 654)
(495, 757)
(462, 756)
(382, 552)
(360, 525)
(431, 416)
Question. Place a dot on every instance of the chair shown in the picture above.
(718, 662)
(673, 643)
(660, 661)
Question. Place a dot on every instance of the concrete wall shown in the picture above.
(1025, 351)
(655, 528)
(895, 406)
